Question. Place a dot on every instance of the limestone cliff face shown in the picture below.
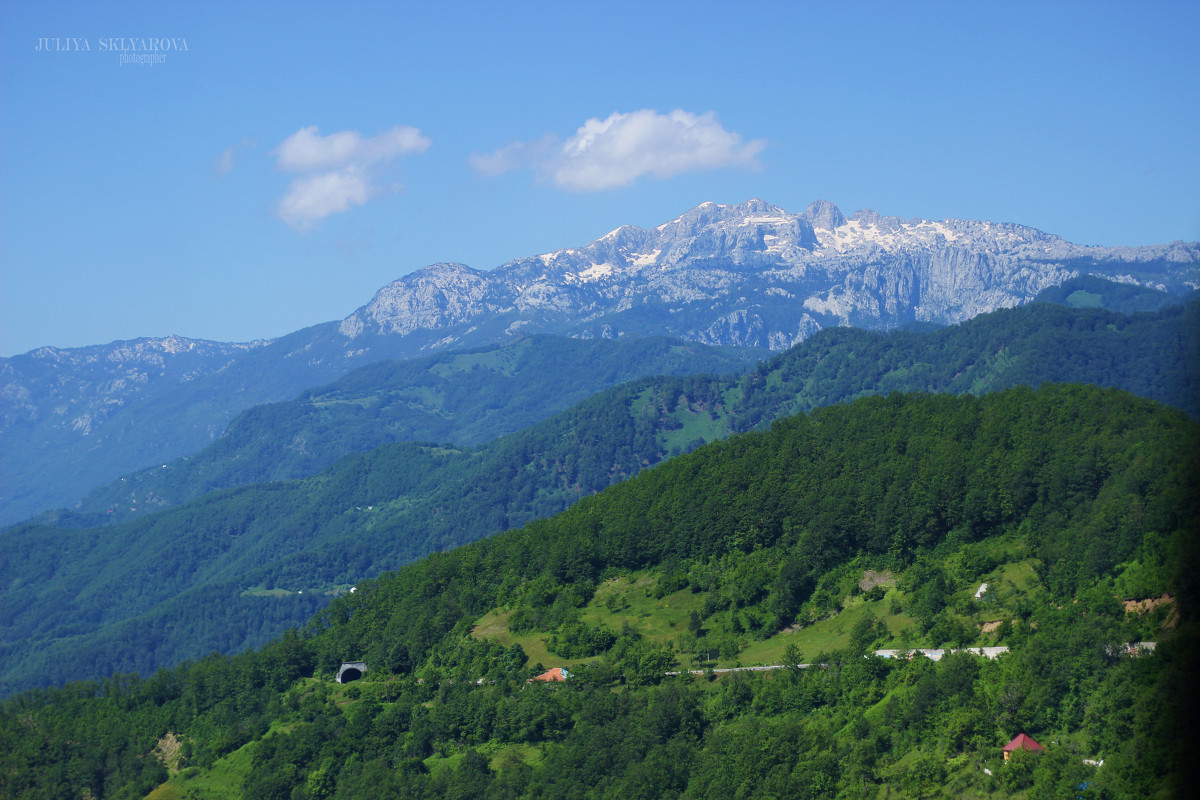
(756, 275)
(434, 297)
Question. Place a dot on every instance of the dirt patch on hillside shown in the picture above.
(992, 627)
(167, 752)
(871, 579)
(1149, 604)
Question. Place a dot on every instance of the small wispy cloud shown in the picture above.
(224, 162)
(517, 155)
(616, 151)
(343, 169)
(307, 150)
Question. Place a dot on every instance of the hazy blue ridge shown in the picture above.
(461, 397)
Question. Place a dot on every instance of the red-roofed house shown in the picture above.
(1021, 742)
(553, 674)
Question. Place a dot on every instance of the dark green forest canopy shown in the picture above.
(1088, 480)
(1091, 291)
(1091, 478)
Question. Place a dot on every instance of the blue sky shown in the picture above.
(297, 157)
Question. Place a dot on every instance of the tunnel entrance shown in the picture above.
(351, 671)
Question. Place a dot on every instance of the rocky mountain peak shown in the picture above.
(757, 206)
(754, 274)
(824, 214)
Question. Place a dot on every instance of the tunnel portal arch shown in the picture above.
(351, 671)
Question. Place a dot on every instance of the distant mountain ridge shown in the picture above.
(747, 275)
(755, 275)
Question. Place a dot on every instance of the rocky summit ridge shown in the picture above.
(756, 275)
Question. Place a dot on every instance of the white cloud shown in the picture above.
(307, 150)
(517, 155)
(343, 167)
(223, 163)
(618, 150)
(314, 197)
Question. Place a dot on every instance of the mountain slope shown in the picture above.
(1089, 291)
(749, 275)
(75, 418)
(375, 511)
(461, 398)
(888, 510)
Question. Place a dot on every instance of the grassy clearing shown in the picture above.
(223, 781)
(167, 791)
(494, 626)
(617, 602)
(259, 591)
(501, 360)
(1010, 582)
(506, 756)
(1018, 577)
(628, 600)
(827, 635)
(697, 424)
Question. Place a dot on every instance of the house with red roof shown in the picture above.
(552, 674)
(1021, 742)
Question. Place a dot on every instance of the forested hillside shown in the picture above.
(807, 545)
(234, 568)
(460, 398)
(1091, 291)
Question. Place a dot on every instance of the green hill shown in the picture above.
(812, 543)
